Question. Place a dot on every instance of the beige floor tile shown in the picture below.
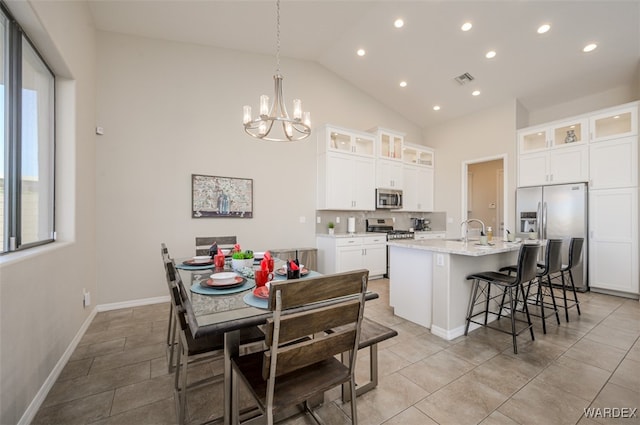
(464, 401)
(162, 412)
(478, 350)
(540, 403)
(411, 416)
(415, 348)
(136, 355)
(596, 354)
(75, 369)
(497, 418)
(616, 336)
(575, 377)
(98, 348)
(437, 371)
(627, 375)
(615, 396)
(505, 374)
(394, 394)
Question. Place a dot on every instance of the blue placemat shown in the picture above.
(199, 289)
(254, 301)
(186, 267)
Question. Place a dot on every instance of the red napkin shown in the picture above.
(264, 264)
(267, 255)
(236, 247)
(293, 265)
(220, 252)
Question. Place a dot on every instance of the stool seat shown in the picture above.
(508, 285)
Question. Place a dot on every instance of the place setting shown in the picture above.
(222, 283)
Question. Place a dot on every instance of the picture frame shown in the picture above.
(216, 197)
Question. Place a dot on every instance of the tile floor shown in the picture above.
(118, 373)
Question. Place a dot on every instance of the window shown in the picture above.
(27, 157)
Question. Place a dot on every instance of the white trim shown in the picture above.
(37, 401)
(133, 303)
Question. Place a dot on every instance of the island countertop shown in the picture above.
(471, 248)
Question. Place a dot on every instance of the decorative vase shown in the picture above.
(331, 229)
(238, 265)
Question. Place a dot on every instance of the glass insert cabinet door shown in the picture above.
(417, 156)
(351, 143)
(391, 146)
(615, 124)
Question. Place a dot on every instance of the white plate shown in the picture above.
(201, 259)
(223, 278)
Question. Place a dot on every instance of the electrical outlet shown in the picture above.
(318, 219)
(86, 298)
(337, 220)
(439, 259)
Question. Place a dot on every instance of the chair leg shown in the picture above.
(472, 300)
(553, 299)
(564, 294)
(526, 312)
(354, 407)
(575, 295)
(512, 306)
(486, 306)
(539, 299)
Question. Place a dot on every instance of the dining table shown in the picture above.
(228, 310)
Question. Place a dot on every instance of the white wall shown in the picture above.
(41, 290)
(170, 110)
(486, 134)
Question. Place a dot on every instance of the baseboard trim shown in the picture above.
(133, 303)
(37, 401)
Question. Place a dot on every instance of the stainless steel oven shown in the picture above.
(388, 198)
(385, 225)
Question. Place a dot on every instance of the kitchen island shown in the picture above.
(427, 279)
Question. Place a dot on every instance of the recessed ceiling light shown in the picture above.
(590, 47)
(466, 26)
(490, 54)
(361, 52)
(398, 23)
(616, 117)
(543, 28)
(475, 93)
(436, 108)
(403, 84)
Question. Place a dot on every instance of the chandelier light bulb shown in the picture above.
(297, 109)
(246, 114)
(264, 105)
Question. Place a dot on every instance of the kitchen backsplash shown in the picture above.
(403, 219)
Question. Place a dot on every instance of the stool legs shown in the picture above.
(564, 294)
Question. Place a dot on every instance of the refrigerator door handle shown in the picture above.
(544, 221)
(539, 220)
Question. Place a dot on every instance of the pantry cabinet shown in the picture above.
(613, 163)
(342, 254)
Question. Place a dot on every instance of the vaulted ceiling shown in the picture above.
(428, 52)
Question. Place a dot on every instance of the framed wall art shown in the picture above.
(214, 196)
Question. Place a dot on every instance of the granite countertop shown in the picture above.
(471, 248)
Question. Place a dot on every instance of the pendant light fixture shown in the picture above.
(273, 123)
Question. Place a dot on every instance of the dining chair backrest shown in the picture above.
(164, 252)
(305, 308)
(527, 263)
(552, 257)
(575, 251)
(203, 243)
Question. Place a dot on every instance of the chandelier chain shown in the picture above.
(278, 37)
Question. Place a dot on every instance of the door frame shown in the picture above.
(505, 183)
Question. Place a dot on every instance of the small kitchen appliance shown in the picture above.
(388, 198)
(420, 224)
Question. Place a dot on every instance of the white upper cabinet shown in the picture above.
(614, 123)
(389, 174)
(614, 163)
(555, 135)
(337, 139)
(417, 182)
(389, 143)
(418, 155)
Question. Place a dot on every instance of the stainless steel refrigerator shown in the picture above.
(556, 212)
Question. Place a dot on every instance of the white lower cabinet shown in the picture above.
(341, 254)
(613, 240)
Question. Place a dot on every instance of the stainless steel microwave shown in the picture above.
(388, 198)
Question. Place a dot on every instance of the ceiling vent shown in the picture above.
(464, 78)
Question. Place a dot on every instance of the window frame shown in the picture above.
(12, 142)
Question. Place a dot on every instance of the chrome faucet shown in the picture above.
(466, 233)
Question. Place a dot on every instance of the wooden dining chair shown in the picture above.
(190, 349)
(301, 362)
(203, 243)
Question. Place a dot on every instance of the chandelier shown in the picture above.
(274, 124)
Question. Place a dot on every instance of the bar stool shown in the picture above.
(575, 254)
(544, 290)
(525, 272)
